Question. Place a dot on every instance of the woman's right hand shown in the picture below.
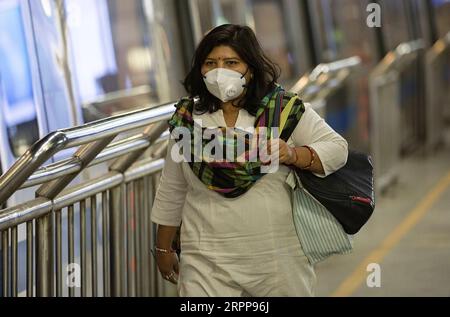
(168, 266)
(166, 259)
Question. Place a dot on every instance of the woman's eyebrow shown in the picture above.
(220, 58)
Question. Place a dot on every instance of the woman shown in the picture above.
(237, 233)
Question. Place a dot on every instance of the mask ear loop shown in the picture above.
(246, 84)
(245, 72)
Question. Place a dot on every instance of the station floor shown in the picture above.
(408, 237)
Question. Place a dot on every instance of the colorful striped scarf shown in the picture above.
(231, 179)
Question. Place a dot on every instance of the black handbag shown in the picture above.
(348, 194)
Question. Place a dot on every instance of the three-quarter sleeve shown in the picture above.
(313, 131)
(171, 193)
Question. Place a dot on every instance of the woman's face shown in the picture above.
(225, 57)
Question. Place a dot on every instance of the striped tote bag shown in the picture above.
(319, 233)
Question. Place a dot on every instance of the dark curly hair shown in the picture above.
(244, 42)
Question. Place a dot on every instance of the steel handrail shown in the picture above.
(334, 67)
(60, 140)
(396, 58)
(439, 47)
(119, 96)
(309, 83)
(72, 165)
(95, 109)
(112, 126)
(38, 207)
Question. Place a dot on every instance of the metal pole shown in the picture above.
(94, 260)
(44, 256)
(14, 287)
(153, 227)
(123, 241)
(25, 166)
(106, 253)
(115, 241)
(58, 224)
(30, 260)
(71, 243)
(130, 225)
(145, 237)
(5, 247)
(83, 248)
(86, 154)
(138, 234)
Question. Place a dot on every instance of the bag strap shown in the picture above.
(286, 112)
(278, 110)
(282, 114)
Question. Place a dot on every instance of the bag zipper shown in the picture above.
(363, 200)
(339, 196)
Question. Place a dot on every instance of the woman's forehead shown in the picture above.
(223, 52)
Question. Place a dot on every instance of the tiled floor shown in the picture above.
(408, 236)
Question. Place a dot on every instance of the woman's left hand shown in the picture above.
(286, 154)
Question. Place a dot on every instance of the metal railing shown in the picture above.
(317, 86)
(385, 104)
(117, 102)
(437, 63)
(102, 224)
(118, 203)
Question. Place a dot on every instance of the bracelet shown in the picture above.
(164, 250)
(313, 158)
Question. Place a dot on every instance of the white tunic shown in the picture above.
(248, 241)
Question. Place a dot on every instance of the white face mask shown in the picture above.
(225, 84)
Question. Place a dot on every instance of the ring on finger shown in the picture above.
(169, 276)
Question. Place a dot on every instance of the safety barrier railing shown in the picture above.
(385, 105)
(94, 238)
(325, 79)
(437, 65)
(109, 213)
(115, 103)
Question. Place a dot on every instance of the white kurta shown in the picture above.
(247, 245)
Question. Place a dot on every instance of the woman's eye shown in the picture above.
(209, 63)
(232, 63)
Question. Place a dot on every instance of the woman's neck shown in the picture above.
(228, 108)
(230, 114)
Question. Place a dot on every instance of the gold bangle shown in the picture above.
(164, 250)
